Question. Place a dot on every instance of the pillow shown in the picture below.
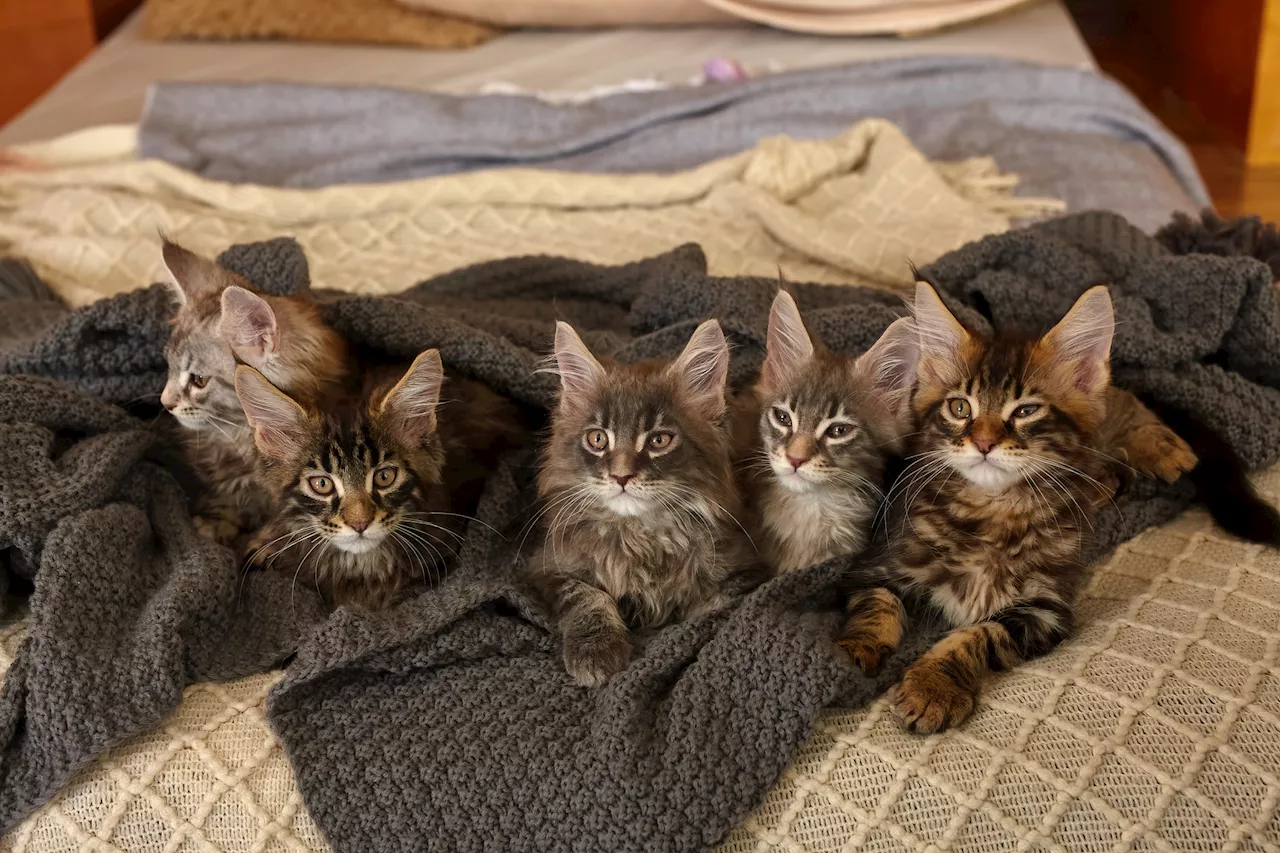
(577, 13)
(360, 21)
(862, 17)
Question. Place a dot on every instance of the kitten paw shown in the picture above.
(593, 661)
(867, 657)
(1158, 451)
(927, 700)
(219, 529)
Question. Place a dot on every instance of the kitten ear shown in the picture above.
(412, 402)
(703, 367)
(891, 363)
(789, 345)
(941, 336)
(190, 274)
(277, 421)
(1082, 340)
(579, 371)
(248, 324)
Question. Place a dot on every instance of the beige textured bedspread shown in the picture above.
(1158, 728)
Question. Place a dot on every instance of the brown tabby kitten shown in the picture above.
(373, 493)
(816, 431)
(990, 516)
(637, 484)
(220, 322)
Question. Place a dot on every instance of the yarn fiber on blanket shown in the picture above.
(448, 722)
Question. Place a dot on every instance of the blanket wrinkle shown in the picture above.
(449, 722)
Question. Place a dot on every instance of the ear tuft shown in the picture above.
(248, 325)
(190, 274)
(789, 344)
(411, 404)
(892, 362)
(579, 370)
(278, 422)
(703, 367)
(1082, 339)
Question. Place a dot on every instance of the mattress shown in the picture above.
(110, 86)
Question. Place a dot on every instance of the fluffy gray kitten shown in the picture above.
(814, 435)
(637, 485)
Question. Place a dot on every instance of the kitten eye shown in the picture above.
(596, 439)
(660, 440)
(959, 407)
(838, 430)
(320, 485)
(385, 476)
(198, 380)
(781, 416)
(1026, 410)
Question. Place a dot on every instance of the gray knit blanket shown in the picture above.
(1067, 133)
(448, 722)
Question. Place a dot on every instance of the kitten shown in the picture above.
(220, 322)
(372, 491)
(817, 430)
(637, 484)
(989, 519)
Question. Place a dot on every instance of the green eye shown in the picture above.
(1026, 410)
(959, 407)
(320, 485)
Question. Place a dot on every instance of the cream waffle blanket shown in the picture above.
(1156, 729)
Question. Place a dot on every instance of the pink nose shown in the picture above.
(359, 525)
(623, 479)
(984, 445)
(796, 463)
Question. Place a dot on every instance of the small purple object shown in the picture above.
(723, 70)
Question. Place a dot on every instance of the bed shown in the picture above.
(1153, 730)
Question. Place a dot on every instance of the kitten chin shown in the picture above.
(641, 513)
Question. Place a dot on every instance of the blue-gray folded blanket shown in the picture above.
(1069, 134)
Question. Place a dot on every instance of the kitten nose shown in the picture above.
(359, 525)
(623, 479)
(795, 461)
(984, 445)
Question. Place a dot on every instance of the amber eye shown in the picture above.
(596, 439)
(1026, 410)
(660, 440)
(959, 407)
(385, 476)
(320, 485)
(198, 380)
(839, 430)
(781, 416)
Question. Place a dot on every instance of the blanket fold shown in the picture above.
(448, 723)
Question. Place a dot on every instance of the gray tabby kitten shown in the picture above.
(220, 322)
(637, 483)
(815, 433)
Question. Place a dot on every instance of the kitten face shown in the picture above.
(827, 420)
(354, 478)
(632, 440)
(1005, 411)
(221, 323)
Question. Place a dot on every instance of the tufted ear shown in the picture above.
(1082, 340)
(703, 367)
(278, 423)
(191, 275)
(891, 363)
(248, 325)
(942, 337)
(579, 370)
(789, 345)
(411, 404)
